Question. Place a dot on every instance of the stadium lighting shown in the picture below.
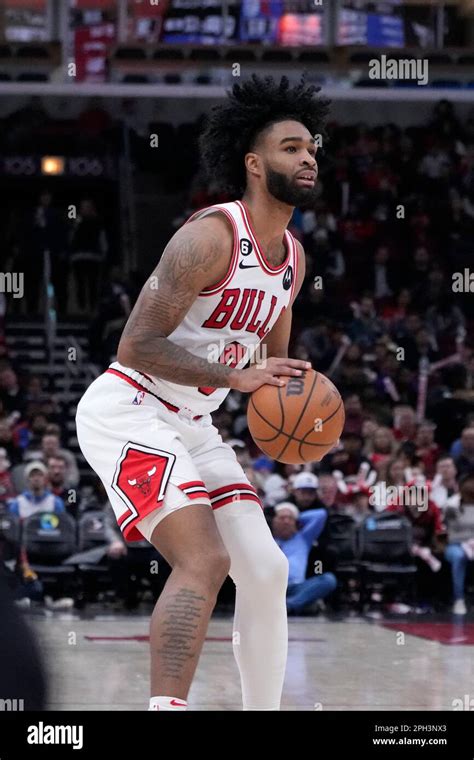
(52, 165)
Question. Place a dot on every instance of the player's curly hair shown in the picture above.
(231, 129)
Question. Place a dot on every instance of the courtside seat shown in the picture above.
(48, 539)
(385, 542)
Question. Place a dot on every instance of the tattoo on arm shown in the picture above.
(187, 266)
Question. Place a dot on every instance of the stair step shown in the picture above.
(31, 356)
(31, 340)
(76, 384)
(57, 370)
(20, 323)
(72, 398)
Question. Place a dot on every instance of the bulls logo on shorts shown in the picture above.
(140, 479)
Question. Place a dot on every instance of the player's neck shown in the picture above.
(269, 217)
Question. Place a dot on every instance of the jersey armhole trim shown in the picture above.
(233, 259)
(295, 259)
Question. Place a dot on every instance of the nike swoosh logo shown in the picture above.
(177, 704)
(247, 266)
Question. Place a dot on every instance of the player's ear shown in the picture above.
(253, 164)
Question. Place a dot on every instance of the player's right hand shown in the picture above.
(267, 373)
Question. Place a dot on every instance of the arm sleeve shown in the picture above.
(313, 522)
(13, 507)
(439, 526)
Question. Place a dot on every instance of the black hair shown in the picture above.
(232, 128)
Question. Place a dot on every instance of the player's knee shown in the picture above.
(210, 568)
(280, 569)
(270, 573)
(217, 566)
(331, 582)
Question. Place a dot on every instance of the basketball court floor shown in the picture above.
(99, 661)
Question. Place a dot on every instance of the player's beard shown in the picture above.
(287, 191)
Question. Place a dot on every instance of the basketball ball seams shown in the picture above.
(267, 422)
(282, 410)
(322, 421)
(303, 403)
(308, 397)
(303, 442)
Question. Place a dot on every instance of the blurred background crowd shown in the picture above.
(379, 312)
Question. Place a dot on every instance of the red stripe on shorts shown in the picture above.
(232, 498)
(232, 487)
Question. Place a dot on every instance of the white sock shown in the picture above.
(168, 703)
(259, 570)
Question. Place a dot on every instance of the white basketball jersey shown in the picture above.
(227, 322)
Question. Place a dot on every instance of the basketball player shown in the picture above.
(225, 284)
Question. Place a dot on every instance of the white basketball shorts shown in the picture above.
(151, 459)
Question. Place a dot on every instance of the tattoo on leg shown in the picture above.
(182, 615)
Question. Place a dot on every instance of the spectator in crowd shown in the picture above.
(404, 424)
(465, 459)
(89, 249)
(114, 307)
(29, 432)
(11, 394)
(429, 539)
(354, 414)
(37, 497)
(7, 490)
(57, 476)
(34, 392)
(395, 473)
(384, 446)
(466, 487)
(365, 327)
(305, 493)
(275, 489)
(456, 446)
(348, 456)
(50, 447)
(444, 318)
(295, 534)
(383, 277)
(46, 231)
(328, 493)
(460, 550)
(445, 487)
(7, 442)
(427, 450)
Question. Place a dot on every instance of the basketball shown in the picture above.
(298, 422)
